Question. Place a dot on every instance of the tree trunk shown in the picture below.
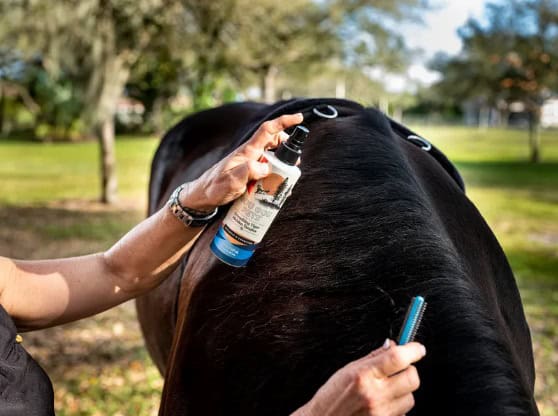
(504, 118)
(109, 183)
(484, 117)
(534, 135)
(384, 105)
(398, 114)
(340, 87)
(2, 108)
(268, 84)
(106, 89)
(156, 116)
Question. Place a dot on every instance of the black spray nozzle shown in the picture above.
(290, 150)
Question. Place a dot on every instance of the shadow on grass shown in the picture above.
(55, 222)
(535, 267)
(41, 231)
(510, 175)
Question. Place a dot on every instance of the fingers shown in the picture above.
(376, 397)
(268, 134)
(272, 127)
(402, 405)
(397, 358)
(388, 343)
(241, 174)
(380, 383)
(229, 179)
(253, 170)
(385, 346)
(403, 383)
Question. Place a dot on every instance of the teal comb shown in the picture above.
(412, 320)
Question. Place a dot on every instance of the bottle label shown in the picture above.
(250, 217)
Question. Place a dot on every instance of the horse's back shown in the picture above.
(373, 221)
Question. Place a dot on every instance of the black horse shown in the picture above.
(377, 217)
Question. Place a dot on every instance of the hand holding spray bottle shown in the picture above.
(251, 215)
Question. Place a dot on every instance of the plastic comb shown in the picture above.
(412, 320)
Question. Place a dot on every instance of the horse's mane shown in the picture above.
(331, 281)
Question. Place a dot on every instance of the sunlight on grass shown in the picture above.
(37, 173)
(482, 145)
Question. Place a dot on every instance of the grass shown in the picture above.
(40, 173)
(99, 366)
(518, 199)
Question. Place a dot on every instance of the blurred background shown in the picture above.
(87, 88)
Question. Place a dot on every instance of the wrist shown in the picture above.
(190, 217)
(193, 197)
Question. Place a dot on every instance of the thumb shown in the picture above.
(388, 343)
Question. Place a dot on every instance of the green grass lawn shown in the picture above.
(518, 199)
(99, 366)
(40, 173)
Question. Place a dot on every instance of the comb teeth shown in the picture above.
(416, 322)
(412, 320)
(405, 323)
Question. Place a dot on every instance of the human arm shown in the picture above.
(43, 293)
(379, 384)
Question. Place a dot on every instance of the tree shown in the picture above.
(232, 40)
(512, 56)
(154, 81)
(302, 36)
(212, 47)
(364, 39)
(96, 42)
(200, 36)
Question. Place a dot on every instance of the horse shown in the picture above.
(379, 215)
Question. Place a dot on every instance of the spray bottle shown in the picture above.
(251, 215)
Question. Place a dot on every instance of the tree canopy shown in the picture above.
(91, 52)
(511, 55)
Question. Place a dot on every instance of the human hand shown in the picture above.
(227, 180)
(379, 384)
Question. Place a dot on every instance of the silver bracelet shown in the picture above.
(188, 216)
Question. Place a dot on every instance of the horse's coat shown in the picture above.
(373, 221)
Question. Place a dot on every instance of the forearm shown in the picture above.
(149, 252)
(43, 293)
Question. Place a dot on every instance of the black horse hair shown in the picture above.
(332, 279)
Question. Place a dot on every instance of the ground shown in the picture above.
(99, 366)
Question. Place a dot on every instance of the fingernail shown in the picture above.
(299, 114)
(283, 136)
(387, 344)
(423, 350)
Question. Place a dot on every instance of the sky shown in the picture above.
(438, 32)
